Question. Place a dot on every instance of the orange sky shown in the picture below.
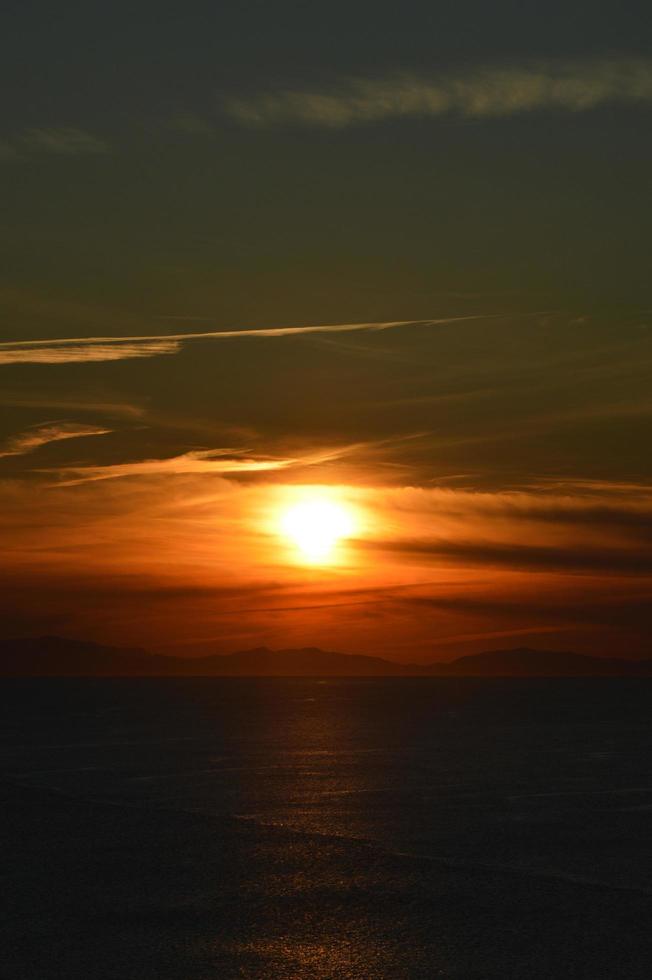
(193, 562)
(416, 284)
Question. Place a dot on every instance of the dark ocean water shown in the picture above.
(196, 828)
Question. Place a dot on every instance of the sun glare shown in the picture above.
(315, 527)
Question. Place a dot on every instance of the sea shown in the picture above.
(196, 828)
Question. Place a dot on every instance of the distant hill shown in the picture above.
(54, 656)
(524, 662)
(48, 656)
(309, 661)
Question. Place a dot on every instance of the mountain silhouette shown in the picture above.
(48, 656)
(525, 662)
(56, 656)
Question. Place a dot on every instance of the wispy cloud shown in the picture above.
(225, 462)
(523, 557)
(90, 349)
(81, 403)
(63, 141)
(85, 350)
(218, 461)
(40, 435)
(432, 569)
(534, 531)
(479, 93)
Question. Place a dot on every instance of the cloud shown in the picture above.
(83, 351)
(93, 349)
(603, 508)
(80, 403)
(488, 92)
(147, 557)
(602, 533)
(218, 461)
(62, 140)
(34, 438)
(617, 608)
(225, 462)
(525, 557)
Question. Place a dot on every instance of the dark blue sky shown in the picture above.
(358, 221)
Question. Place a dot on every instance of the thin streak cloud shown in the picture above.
(67, 403)
(541, 558)
(223, 462)
(32, 439)
(93, 349)
(61, 141)
(487, 92)
(83, 351)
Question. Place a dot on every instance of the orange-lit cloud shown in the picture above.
(185, 558)
(82, 350)
(70, 402)
(40, 435)
(467, 453)
(218, 461)
(90, 349)
(227, 461)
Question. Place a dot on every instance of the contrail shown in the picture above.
(93, 349)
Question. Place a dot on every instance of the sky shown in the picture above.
(391, 257)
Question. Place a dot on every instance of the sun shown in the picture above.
(315, 527)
